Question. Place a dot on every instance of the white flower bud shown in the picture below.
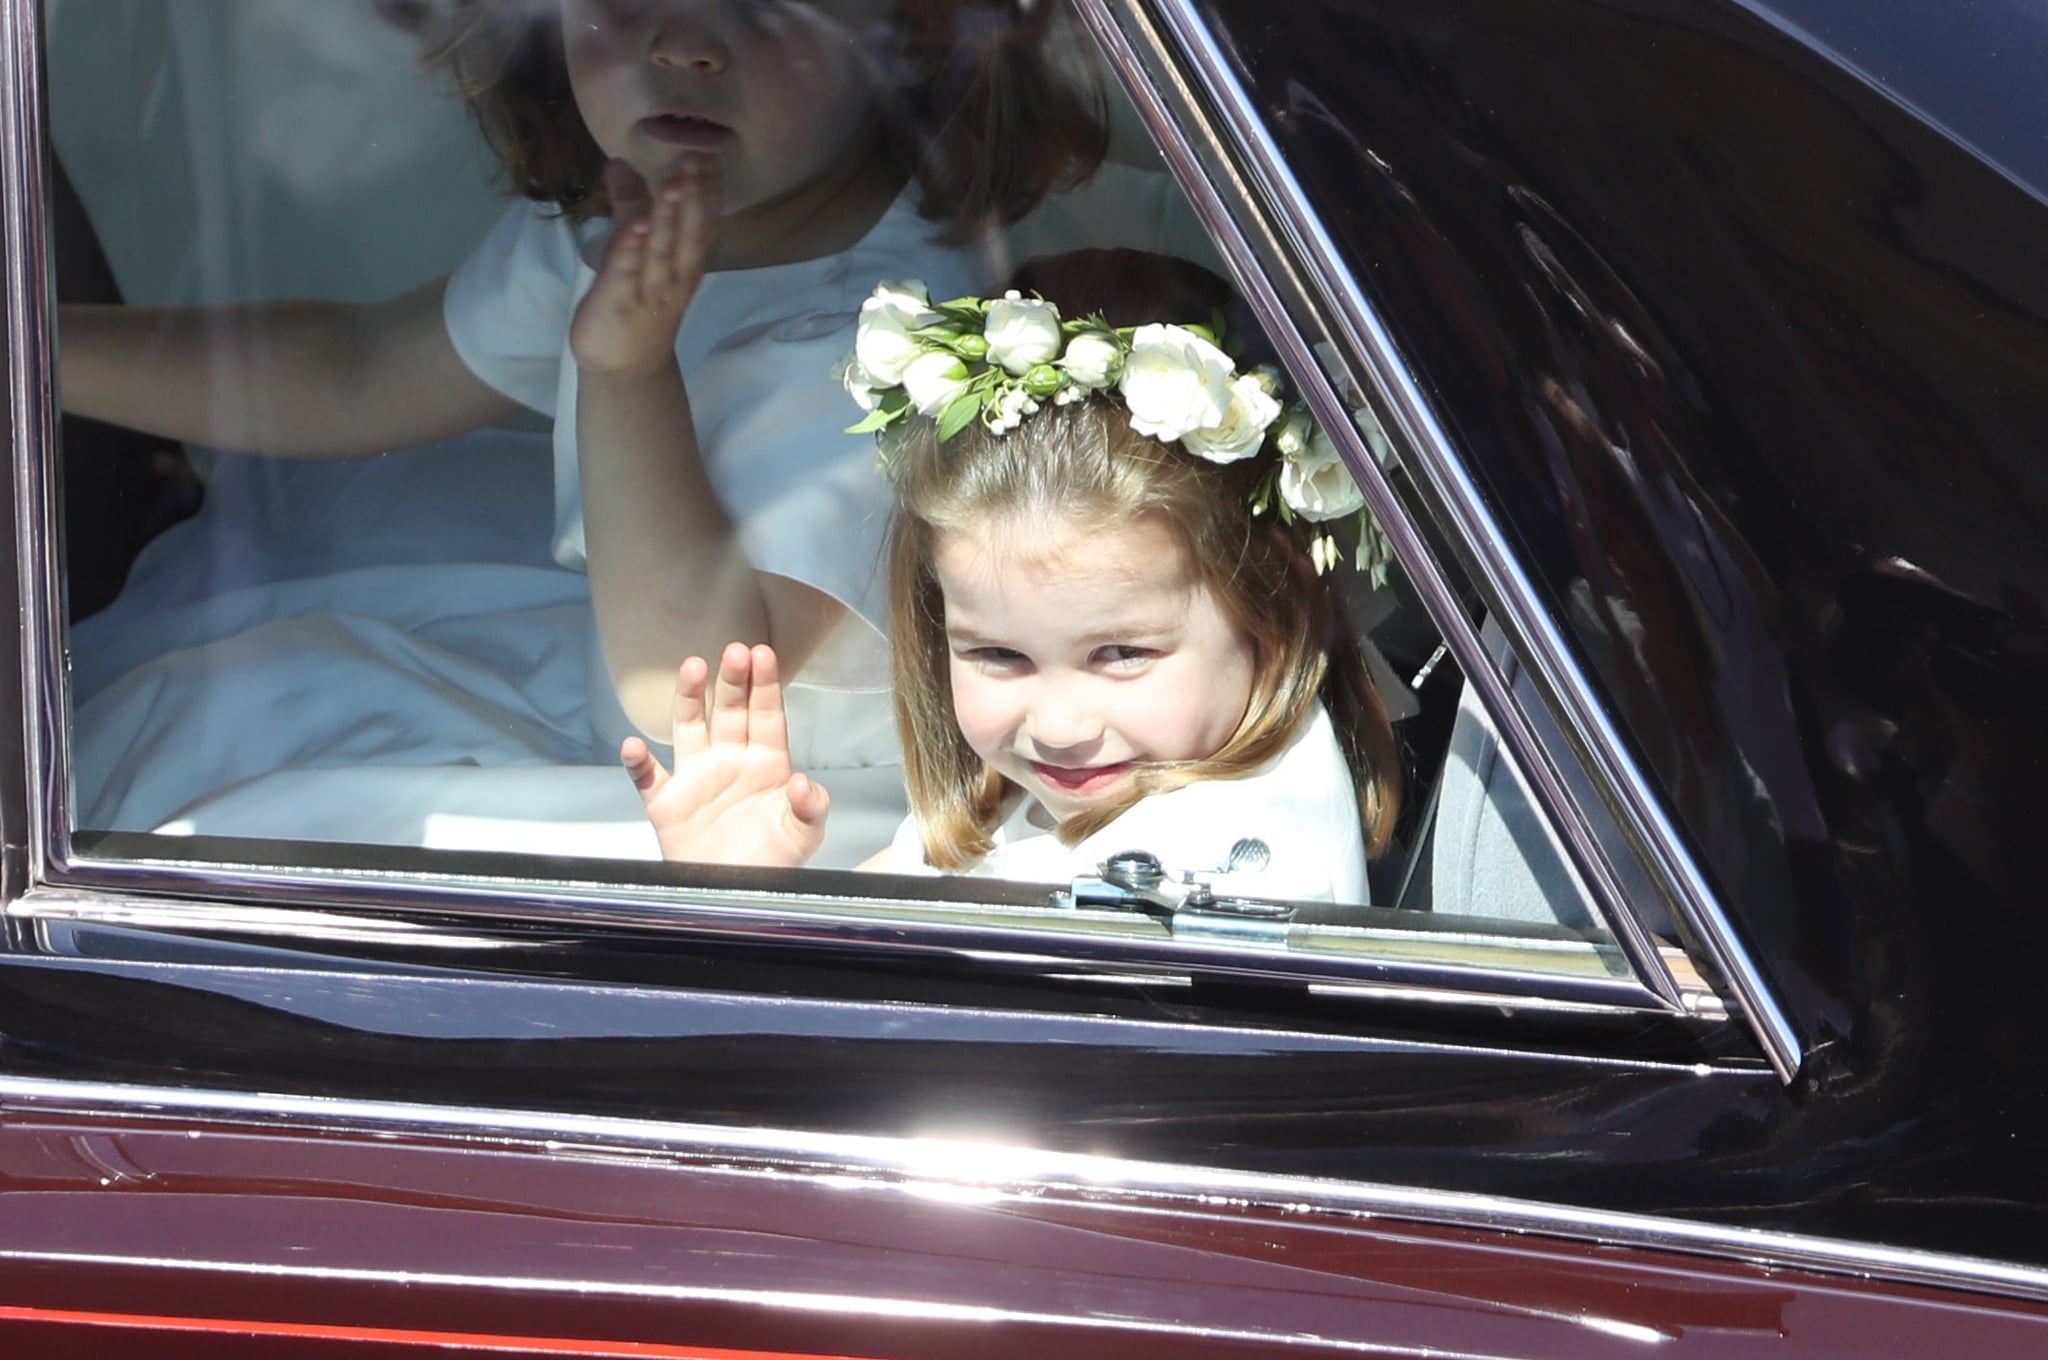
(933, 380)
(1021, 333)
(1294, 434)
(1174, 381)
(1242, 431)
(1092, 359)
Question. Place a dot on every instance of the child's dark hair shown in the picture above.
(975, 110)
(1083, 460)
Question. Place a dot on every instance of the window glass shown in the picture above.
(404, 465)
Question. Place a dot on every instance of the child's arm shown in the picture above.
(291, 379)
(667, 576)
(732, 798)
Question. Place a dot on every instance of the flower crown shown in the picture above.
(998, 360)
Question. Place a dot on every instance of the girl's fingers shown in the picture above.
(658, 270)
(686, 709)
(766, 723)
(808, 801)
(728, 720)
(701, 199)
(643, 769)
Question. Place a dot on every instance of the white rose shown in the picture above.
(933, 380)
(1092, 358)
(1243, 427)
(883, 342)
(1174, 381)
(1316, 485)
(1021, 332)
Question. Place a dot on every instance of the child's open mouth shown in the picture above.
(1082, 779)
(681, 129)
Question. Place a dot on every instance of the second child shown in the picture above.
(709, 188)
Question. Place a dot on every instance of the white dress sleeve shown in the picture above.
(758, 350)
(508, 305)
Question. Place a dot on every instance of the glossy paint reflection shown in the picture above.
(1750, 360)
(601, 1247)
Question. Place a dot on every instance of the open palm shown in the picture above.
(732, 797)
(660, 247)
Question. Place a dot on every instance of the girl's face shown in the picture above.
(1081, 651)
(772, 90)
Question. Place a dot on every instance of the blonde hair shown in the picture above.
(1082, 461)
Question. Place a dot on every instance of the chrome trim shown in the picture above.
(1032, 1172)
(1429, 455)
(846, 921)
(32, 414)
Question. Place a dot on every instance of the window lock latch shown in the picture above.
(1134, 880)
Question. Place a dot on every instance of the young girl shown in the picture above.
(1108, 634)
(707, 185)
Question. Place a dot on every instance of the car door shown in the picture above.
(1707, 670)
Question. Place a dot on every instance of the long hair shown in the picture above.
(971, 104)
(1083, 463)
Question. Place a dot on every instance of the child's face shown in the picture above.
(772, 90)
(1080, 651)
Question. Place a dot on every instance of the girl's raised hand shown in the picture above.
(660, 247)
(733, 798)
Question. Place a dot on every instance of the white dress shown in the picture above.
(1301, 804)
(387, 652)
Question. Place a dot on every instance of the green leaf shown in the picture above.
(958, 415)
(877, 419)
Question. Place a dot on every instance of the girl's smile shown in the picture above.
(1082, 651)
(1088, 779)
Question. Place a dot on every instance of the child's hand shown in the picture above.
(626, 325)
(732, 798)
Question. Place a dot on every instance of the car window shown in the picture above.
(383, 538)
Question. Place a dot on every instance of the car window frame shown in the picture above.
(1178, 74)
(207, 887)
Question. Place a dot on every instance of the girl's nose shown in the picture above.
(691, 34)
(1060, 721)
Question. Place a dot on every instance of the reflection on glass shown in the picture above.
(467, 513)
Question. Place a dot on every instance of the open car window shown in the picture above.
(386, 672)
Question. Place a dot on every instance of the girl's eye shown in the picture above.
(1006, 657)
(1123, 656)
